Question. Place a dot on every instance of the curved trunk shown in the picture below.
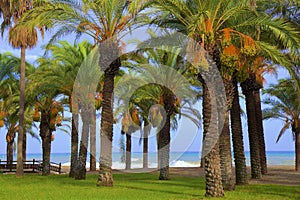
(252, 128)
(297, 150)
(214, 187)
(164, 150)
(74, 145)
(106, 133)
(93, 142)
(105, 174)
(110, 63)
(224, 142)
(145, 146)
(260, 132)
(45, 133)
(237, 139)
(20, 170)
(81, 165)
(225, 156)
(211, 111)
(128, 151)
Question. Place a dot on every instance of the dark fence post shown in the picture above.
(33, 165)
(59, 168)
(10, 166)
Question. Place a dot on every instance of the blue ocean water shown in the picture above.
(177, 159)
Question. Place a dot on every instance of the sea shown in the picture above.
(177, 159)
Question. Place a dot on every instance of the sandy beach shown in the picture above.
(282, 175)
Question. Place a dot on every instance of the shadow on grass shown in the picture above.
(136, 186)
(290, 192)
(162, 191)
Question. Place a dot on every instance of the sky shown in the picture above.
(186, 138)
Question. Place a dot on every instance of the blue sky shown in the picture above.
(187, 137)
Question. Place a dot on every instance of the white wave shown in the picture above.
(135, 159)
(120, 165)
(180, 163)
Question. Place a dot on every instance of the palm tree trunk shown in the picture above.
(260, 132)
(128, 151)
(46, 143)
(74, 145)
(214, 187)
(93, 142)
(224, 142)
(252, 129)
(10, 145)
(20, 170)
(202, 160)
(164, 150)
(110, 62)
(24, 144)
(45, 133)
(9, 154)
(145, 146)
(297, 149)
(81, 166)
(158, 152)
(237, 139)
(225, 156)
(105, 174)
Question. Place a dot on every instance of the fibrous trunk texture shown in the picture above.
(145, 146)
(128, 151)
(74, 145)
(45, 134)
(81, 166)
(248, 88)
(237, 139)
(164, 150)
(93, 142)
(260, 133)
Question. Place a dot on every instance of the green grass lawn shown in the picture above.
(129, 186)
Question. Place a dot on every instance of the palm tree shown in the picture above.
(161, 85)
(103, 20)
(86, 107)
(10, 96)
(205, 22)
(50, 119)
(43, 94)
(66, 60)
(9, 112)
(252, 85)
(205, 16)
(23, 38)
(285, 106)
(130, 124)
(289, 11)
